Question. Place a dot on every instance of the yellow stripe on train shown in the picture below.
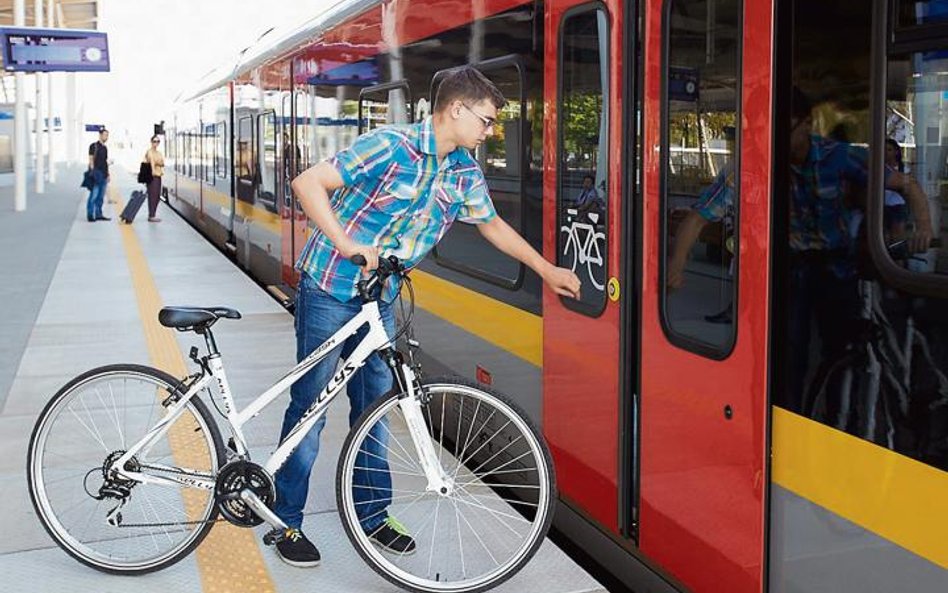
(897, 498)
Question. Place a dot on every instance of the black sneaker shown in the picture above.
(392, 536)
(296, 550)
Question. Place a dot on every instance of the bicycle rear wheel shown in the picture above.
(82, 431)
(485, 529)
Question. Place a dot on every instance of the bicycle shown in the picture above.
(875, 372)
(587, 250)
(128, 471)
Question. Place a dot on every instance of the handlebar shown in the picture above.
(370, 288)
(900, 249)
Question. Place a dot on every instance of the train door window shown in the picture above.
(245, 165)
(384, 105)
(207, 160)
(267, 153)
(180, 151)
(220, 151)
(583, 154)
(463, 248)
(700, 181)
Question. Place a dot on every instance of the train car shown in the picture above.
(751, 393)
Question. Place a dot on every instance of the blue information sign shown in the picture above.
(31, 49)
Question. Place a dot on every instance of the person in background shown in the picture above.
(99, 165)
(154, 158)
(895, 211)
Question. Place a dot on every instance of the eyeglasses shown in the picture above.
(487, 121)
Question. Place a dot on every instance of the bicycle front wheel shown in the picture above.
(82, 431)
(478, 534)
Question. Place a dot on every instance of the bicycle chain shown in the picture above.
(175, 523)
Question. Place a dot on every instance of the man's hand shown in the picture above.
(563, 282)
(921, 239)
(675, 276)
(370, 253)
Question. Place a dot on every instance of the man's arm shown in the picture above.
(918, 205)
(503, 237)
(688, 232)
(312, 188)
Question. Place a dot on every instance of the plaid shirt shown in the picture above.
(397, 197)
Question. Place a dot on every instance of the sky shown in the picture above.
(159, 48)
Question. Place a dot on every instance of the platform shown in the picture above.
(77, 295)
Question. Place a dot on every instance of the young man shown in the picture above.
(99, 165)
(395, 191)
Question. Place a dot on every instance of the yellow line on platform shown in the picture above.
(229, 559)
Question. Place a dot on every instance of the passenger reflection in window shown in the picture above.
(827, 182)
(588, 201)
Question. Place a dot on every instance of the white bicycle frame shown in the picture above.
(376, 339)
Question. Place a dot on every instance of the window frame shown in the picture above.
(684, 341)
(486, 66)
(379, 88)
(886, 40)
(260, 153)
(574, 305)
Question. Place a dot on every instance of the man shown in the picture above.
(99, 165)
(395, 191)
(589, 199)
(825, 178)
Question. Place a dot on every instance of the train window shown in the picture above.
(220, 151)
(463, 248)
(583, 154)
(384, 106)
(267, 153)
(701, 185)
(245, 165)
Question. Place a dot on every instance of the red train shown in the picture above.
(750, 394)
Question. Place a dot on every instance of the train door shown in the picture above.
(706, 219)
(583, 211)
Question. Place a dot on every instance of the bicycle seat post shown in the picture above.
(209, 340)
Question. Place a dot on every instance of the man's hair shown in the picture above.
(103, 130)
(467, 84)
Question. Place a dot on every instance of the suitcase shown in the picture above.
(133, 206)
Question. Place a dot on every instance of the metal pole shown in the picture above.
(69, 121)
(39, 173)
(19, 123)
(50, 22)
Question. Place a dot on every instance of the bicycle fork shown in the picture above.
(438, 480)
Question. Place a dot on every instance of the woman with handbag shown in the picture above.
(153, 166)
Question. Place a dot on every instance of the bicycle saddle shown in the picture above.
(185, 318)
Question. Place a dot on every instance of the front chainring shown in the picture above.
(231, 480)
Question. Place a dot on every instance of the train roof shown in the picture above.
(276, 42)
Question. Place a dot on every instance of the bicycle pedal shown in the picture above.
(273, 537)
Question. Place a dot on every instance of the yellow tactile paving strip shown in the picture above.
(229, 559)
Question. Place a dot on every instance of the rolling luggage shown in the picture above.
(133, 206)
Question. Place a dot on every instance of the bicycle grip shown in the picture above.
(358, 259)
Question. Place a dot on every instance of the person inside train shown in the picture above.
(827, 178)
(588, 200)
(395, 191)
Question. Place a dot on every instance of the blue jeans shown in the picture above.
(96, 195)
(318, 317)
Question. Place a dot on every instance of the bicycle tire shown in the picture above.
(150, 385)
(537, 515)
